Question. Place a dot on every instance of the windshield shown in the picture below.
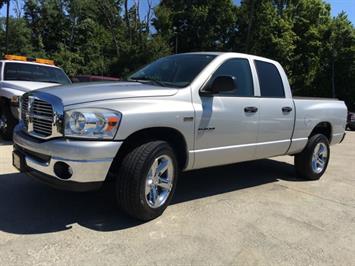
(175, 71)
(35, 73)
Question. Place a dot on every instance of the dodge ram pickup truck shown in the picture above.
(179, 113)
(19, 74)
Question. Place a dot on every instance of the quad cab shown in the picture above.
(180, 113)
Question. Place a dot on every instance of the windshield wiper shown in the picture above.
(160, 83)
(19, 79)
(48, 81)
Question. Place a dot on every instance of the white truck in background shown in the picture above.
(20, 74)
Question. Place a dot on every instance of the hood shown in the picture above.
(26, 85)
(100, 91)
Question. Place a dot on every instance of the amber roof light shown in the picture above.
(29, 59)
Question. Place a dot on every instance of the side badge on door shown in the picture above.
(206, 129)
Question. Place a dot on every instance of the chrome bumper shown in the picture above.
(89, 161)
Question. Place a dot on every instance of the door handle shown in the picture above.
(286, 109)
(250, 109)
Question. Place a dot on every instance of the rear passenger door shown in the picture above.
(276, 116)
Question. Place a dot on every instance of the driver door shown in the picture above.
(227, 122)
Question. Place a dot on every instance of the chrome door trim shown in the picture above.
(240, 146)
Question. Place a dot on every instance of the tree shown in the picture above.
(20, 35)
(336, 77)
(310, 19)
(111, 37)
(195, 25)
(33, 21)
(2, 2)
(263, 29)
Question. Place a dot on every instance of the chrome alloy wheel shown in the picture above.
(319, 158)
(159, 181)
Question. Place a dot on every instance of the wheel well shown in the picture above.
(170, 135)
(3, 100)
(323, 128)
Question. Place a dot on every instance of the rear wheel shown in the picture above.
(146, 180)
(312, 162)
(7, 120)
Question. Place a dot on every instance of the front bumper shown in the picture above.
(89, 161)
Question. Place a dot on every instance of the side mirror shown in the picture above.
(221, 84)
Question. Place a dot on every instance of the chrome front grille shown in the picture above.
(42, 118)
(24, 107)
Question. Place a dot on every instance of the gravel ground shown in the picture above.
(254, 213)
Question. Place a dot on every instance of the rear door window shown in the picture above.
(269, 80)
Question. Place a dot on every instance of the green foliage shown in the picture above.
(311, 19)
(196, 25)
(20, 34)
(84, 36)
(338, 62)
(111, 37)
(264, 30)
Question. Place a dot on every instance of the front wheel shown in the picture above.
(312, 162)
(146, 180)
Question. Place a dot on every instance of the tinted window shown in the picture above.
(0, 69)
(175, 70)
(240, 69)
(269, 80)
(36, 73)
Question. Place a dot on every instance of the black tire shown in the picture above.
(131, 179)
(352, 127)
(9, 120)
(303, 160)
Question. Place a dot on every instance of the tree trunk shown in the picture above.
(128, 24)
(7, 26)
(250, 22)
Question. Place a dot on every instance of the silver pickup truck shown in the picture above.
(179, 113)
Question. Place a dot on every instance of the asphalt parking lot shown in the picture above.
(253, 213)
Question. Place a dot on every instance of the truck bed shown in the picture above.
(312, 111)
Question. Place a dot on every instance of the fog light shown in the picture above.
(63, 170)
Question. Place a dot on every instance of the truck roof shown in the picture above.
(255, 57)
(27, 62)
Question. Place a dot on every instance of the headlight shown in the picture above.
(92, 123)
